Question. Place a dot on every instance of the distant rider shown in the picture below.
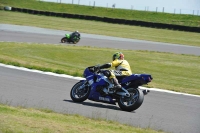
(74, 34)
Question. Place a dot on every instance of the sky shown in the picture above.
(170, 6)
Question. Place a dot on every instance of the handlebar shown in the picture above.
(94, 69)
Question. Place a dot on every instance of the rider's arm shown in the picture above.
(116, 63)
(107, 65)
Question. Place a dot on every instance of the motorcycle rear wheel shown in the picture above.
(133, 102)
(64, 40)
(79, 95)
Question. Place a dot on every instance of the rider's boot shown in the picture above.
(117, 86)
(113, 87)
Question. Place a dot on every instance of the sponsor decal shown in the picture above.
(138, 75)
(91, 81)
(99, 79)
(104, 99)
(127, 83)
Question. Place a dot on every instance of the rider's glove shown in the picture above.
(96, 68)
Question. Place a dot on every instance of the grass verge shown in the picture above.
(178, 19)
(28, 120)
(170, 71)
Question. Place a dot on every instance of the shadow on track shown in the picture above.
(96, 105)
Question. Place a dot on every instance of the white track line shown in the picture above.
(80, 78)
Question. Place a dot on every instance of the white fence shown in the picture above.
(131, 7)
(167, 10)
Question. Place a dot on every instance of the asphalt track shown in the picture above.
(168, 112)
(41, 35)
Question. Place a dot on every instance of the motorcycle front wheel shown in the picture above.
(133, 102)
(64, 40)
(79, 94)
(75, 42)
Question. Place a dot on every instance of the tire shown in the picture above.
(79, 95)
(75, 42)
(136, 99)
(64, 40)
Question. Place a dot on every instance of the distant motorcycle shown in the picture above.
(129, 98)
(69, 39)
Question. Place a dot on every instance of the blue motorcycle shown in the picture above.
(129, 98)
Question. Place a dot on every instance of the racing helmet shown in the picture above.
(118, 55)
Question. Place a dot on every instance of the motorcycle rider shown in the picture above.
(122, 68)
(74, 34)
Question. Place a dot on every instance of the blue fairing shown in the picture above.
(87, 73)
(146, 77)
(96, 80)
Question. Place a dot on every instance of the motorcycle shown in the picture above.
(130, 97)
(68, 39)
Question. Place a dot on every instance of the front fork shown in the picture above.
(85, 83)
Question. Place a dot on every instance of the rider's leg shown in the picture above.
(114, 81)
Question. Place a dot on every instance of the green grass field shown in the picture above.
(188, 20)
(23, 120)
